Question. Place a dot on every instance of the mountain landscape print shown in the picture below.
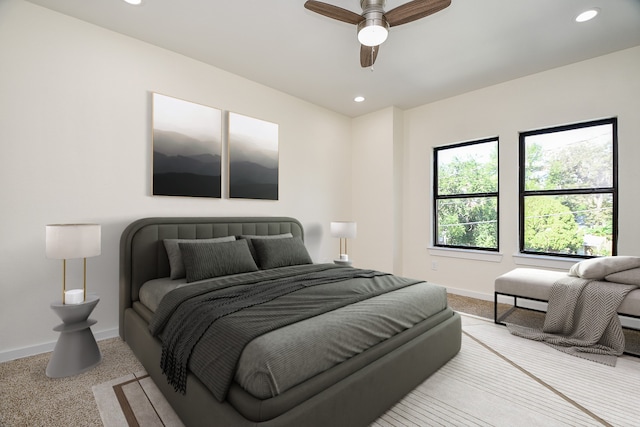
(253, 158)
(187, 143)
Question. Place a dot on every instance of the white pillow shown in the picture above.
(598, 268)
(627, 277)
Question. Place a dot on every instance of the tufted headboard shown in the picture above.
(143, 256)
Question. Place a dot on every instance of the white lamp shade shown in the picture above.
(68, 241)
(344, 229)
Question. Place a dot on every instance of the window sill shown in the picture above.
(465, 254)
(544, 261)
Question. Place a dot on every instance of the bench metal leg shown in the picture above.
(499, 320)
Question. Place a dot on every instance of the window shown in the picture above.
(568, 190)
(466, 195)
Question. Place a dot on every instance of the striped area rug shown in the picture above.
(497, 379)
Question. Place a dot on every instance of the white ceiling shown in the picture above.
(279, 43)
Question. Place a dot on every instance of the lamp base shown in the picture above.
(76, 350)
(347, 262)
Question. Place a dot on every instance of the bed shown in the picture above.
(352, 383)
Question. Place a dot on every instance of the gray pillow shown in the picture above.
(175, 256)
(273, 253)
(207, 260)
(251, 237)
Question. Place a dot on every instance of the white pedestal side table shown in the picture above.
(76, 350)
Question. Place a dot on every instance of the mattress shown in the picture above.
(286, 357)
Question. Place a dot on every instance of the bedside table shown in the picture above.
(76, 350)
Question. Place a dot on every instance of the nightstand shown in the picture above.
(76, 350)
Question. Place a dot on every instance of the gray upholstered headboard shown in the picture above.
(143, 256)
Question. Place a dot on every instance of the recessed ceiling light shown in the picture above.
(358, 98)
(134, 2)
(587, 15)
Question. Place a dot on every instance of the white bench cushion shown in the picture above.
(536, 284)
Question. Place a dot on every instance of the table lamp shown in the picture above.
(70, 241)
(343, 230)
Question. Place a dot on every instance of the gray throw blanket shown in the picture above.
(207, 327)
(582, 319)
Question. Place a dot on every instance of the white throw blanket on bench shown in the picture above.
(582, 319)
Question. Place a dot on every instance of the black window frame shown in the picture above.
(602, 190)
(437, 197)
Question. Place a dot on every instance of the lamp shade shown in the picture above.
(68, 241)
(343, 229)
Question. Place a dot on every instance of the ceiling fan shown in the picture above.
(373, 24)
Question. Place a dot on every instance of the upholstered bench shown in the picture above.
(534, 284)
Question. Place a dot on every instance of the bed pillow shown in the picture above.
(627, 277)
(273, 253)
(249, 238)
(208, 260)
(176, 266)
(598, 268)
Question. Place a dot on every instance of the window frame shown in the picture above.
(613, 121)
(436, 197)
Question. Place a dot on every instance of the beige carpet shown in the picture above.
(28, 398)
(496, 380)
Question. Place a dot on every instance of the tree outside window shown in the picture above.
(466, 195)
(568, 190)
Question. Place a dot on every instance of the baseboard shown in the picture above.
(470, 294)
(33, 350)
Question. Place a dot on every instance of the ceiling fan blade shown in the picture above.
(413, 10)
(334, 12)
(368, 55)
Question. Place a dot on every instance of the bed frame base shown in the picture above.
(348, 403)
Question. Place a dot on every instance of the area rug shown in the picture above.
(497, 379)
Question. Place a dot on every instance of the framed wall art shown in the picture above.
(187, 144)
(253, 158)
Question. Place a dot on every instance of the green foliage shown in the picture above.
(469, 176)
(579, 165)
(550, 226)
(469, 221)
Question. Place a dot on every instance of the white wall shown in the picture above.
(608, 86)
(76, 147)
(377, 151)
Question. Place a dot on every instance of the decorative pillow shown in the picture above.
(598, 268)
(207, 260)
(274, 253)
(175, 256)
(250, 239)
(627, 277)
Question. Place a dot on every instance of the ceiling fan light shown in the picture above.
(372, 32)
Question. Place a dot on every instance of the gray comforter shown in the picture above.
(206, 326)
